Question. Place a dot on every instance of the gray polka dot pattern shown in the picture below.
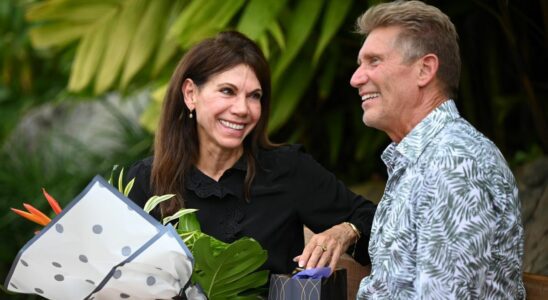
(39, 291)
(83, 258)
(24, 263)
(90, 281)
(14, 286)
(56, 264)
(124, 296)
(59, 228)
(151, 280)
(59, 277)
(117, 274)
(126, 251)
(98, 229)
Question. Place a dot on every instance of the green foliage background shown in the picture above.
(57, 55)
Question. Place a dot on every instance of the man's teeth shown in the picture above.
(370, 96)
(232, 125)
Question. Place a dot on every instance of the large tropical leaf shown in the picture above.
(151, 26)
(201, 19)
(226, 275)
(116, 38)
(258, 16)
(335, 13)
(301, 23)
(291, 89)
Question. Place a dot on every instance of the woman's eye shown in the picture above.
(227, 91)
(256, 96)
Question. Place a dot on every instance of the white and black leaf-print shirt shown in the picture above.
(448, 225)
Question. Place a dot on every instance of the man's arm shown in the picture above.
(456, 230)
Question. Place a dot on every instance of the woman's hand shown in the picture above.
(327, 247)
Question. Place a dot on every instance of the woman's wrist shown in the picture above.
(355, 231)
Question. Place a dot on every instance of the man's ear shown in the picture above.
(428, 68)
(189, 90)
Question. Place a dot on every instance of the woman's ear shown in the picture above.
(428, 68)
(189, 90)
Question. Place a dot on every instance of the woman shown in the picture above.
(212, 151)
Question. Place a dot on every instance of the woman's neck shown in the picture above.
(214, 162)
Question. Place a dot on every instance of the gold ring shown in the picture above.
(324, 248)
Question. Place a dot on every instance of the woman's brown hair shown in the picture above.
(176, 145)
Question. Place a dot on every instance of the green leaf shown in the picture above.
(302, 23)
(76, 11)
(121, 181)
(56, 34)
(231, 272)
(150, 117)
(183, 21)
(334, 16)
(257, 15)
(327, 78)
(252, 281)
(129, 186)
(155, 200)
(147, 37)
(201, 19)
(168, 45)
(120, 37)
(168, 48)
(189, 222)
(289, 93)
(111, 177)
(178, 214)
(88, 55)
(277, 33)
(263, 44)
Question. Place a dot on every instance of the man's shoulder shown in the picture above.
(460, 138)
(460, 141)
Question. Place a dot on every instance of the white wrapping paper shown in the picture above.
(103, 246)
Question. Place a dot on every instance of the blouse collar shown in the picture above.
(204, 186)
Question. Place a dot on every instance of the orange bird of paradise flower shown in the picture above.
(35, 215)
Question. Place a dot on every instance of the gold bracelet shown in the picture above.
(356, 231)
(358, 236)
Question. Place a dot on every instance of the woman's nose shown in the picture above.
(240, 106)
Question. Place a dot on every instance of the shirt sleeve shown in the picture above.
(141, 190)
(325, 201)
(456, 227)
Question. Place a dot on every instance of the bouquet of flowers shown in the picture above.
(103, 246)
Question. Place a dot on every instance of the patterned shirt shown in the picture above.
(448, 225)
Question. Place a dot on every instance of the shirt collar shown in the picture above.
(204, 186)
(414, 143)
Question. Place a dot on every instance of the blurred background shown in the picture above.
(81, 85)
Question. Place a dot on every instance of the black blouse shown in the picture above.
(290, 190)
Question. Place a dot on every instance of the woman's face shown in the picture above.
(227, 107)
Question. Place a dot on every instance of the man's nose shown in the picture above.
(359, 78)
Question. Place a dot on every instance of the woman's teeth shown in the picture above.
(232, 125)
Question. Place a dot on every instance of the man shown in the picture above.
(448, 225)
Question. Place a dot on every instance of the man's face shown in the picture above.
(386, 83)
